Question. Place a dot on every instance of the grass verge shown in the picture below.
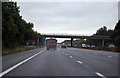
(18, 49)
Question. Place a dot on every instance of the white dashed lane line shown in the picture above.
(66, 54)
(96, 53)
(110, 56)
(71, 57)
(79, 62)
(99, 74)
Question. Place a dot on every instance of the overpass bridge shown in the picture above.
(74, 36)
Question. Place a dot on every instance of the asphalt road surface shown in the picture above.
(62, 62)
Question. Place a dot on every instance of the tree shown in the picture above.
(116, 36)
(15, 30)
(103, 31)
(9, 29)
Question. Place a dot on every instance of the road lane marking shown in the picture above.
(66, 54)
(20, 63)
(79, 62)
(63, 52)
(99, 74)
(95, 53)
(71, 57)
(110, 56)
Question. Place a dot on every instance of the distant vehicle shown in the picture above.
(51, 44)
(58, 45)
(63, 46)
(93, 46)
(111, 46)
(75, 45)
(84, 45)
(88, 46)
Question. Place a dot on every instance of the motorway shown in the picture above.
(61, 62)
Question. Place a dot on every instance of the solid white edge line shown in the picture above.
(99, 74)
(79, 62)
(20, 63)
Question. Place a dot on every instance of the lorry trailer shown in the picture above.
(51, 44)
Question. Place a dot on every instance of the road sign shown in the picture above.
(27, 44)
(44, 40)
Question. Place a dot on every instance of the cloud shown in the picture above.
(73, 17)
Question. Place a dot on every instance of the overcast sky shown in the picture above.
(70, 17)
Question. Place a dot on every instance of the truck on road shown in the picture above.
(51, 44)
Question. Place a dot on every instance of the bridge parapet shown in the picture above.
(61, 34)
(74, 36)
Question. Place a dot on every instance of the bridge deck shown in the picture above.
(81, 37)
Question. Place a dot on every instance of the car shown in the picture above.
(111, 46)
(63, 46)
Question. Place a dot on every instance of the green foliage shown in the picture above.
(102, 32)
(16, 50)
(79, 42)
(15, 30)
(116, 35)
(67, 42)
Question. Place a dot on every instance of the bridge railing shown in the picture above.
(63, 34)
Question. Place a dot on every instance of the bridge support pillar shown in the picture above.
(38, 41)
(103, 43)
(71, 42)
